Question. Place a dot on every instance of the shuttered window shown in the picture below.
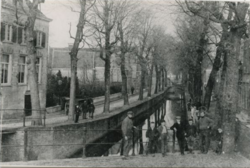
(22, 69)
(8, 33)
(40, 39)
(5, 68)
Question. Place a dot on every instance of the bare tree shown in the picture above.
(28, 23)
(143, 44)
(125, 27)
(103, 21)
(236, 26)
(79, 37)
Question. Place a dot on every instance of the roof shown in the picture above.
(40, 15)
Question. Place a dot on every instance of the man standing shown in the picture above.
(204, 125)
(152, 135)
(179, 129)
(164, 137)
(127, 132)
(77, 113)
(191, 134)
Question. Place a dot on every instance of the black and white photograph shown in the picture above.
(125, 83)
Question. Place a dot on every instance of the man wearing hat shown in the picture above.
(191, 134)
(127, 132)
(164, 137)
(152, 135)
(204, 125)
(179, 129)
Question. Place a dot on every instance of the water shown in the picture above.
(169, 118)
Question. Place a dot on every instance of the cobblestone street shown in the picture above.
(172, 160)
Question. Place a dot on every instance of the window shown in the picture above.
(8, 33)
(5, 67)
(38, 69)
(40, 39)
(21, 35)
(22, 69)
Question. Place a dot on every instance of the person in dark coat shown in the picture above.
(179, 129)
(77, 113)
(152, 135)
(84, 109)
(132, 90)
(91, 108)
(204, 125)
(191, 131)
(127, 132)
(164, 137)
(218, 140)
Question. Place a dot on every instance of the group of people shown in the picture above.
(83, 108)
(191, 134)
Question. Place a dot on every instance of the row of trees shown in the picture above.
(213, 27)
(122, 28)
(116, 27)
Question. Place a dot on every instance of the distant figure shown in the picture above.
(219, 140)
(84, 109)
(67, 108)
(205, 125)
(91, 108)
(179, 129)
(194, 113)
(191, 135)
(132, 90)
(77, 113)
(164, 137)
(152, 135)
(237, 133)
(127, 132)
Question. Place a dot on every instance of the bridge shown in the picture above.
(64, 140)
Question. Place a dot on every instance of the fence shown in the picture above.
(137, 136)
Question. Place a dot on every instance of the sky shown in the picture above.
(62, 16)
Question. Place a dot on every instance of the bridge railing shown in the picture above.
(135, 139)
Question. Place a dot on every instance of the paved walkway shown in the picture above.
(172, 160)
(60, 117)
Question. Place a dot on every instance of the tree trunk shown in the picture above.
(141, 85)
(31, 64)
(124, 80)
(150, 80)
(157, 79)
(230, 96)
(73, 56)
(107, 84)
(163, 78)
(166, 78)
(212, 77)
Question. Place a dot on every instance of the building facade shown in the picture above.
(14, 88)
(90, 67)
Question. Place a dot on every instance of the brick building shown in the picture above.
(14, 87)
